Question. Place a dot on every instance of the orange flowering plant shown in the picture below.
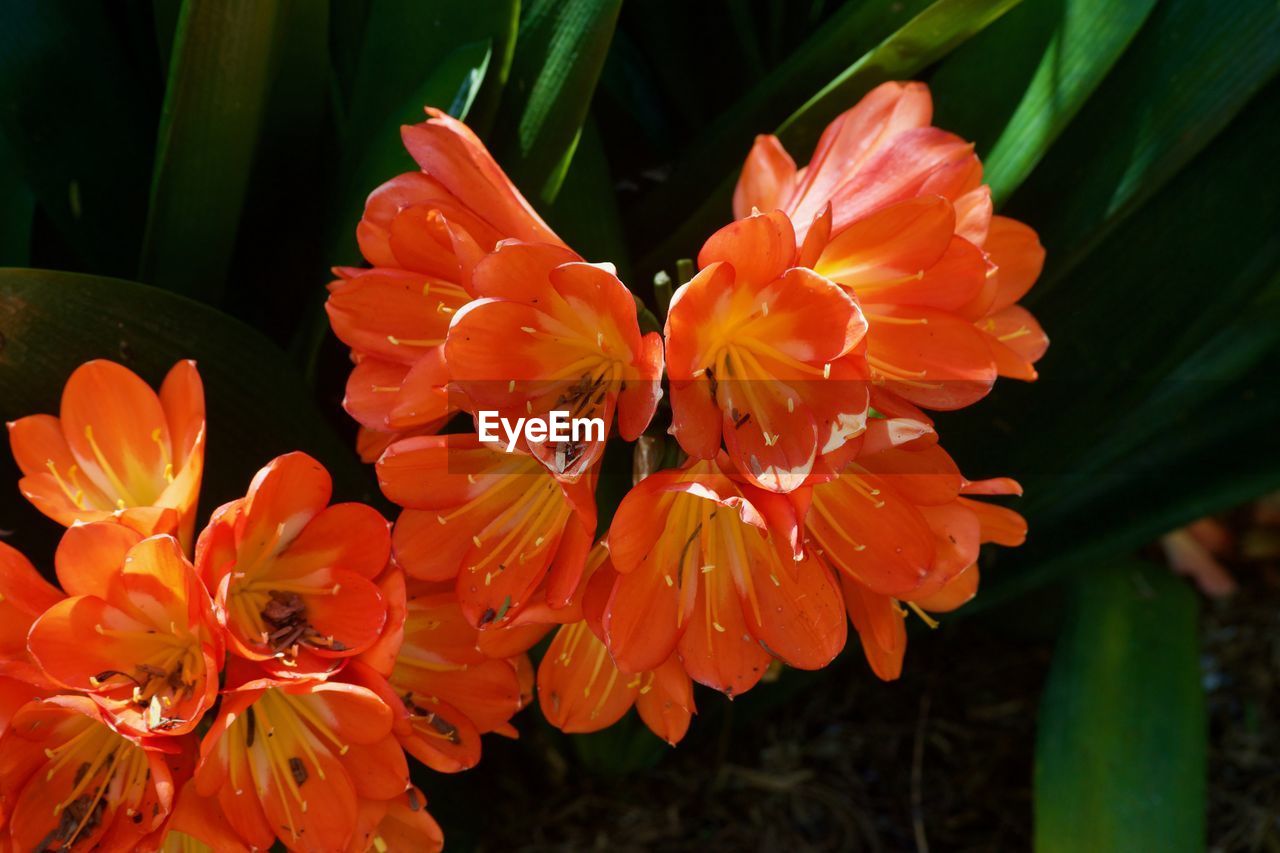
(671, 353)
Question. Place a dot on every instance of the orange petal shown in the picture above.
(53, 482)
(930, 358)
(117, 432)
(579, 687)
(958, 591)
(759, 247)
(393, 314)
(999, 524)
(89, 555)
(666, 701)
(283, 497)
(800, 614)
(717, 648)
(1016, 251)
(348, 537)
(450, 153)
(1016, 341)
(889, 247)
(24, 595)
(881, 626)
(767, 180)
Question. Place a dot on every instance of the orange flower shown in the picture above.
(895, 211)
(548, 332)
(138, 630)
(293, 577)
(896, 524)
(580, 689)
(495, 523)
(69, 780)
(707, 569)
(764, 353)
(117, 448)
(399, 824)
(24, 595)
(291, 759)
(447, 692)
(197, 824)
(423, 233)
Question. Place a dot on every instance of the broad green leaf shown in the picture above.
(1122, 743)
(1154, 404)
(219, 77)
(920, 42)
(1084, 40)
(1138, 130)
(76, 109)
(52, 322)
(585, 214)
(17, 208)
(559, 55)
(720, 149)
(405, 44)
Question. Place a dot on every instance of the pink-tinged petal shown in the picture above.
(854, 137)
(919, 161)
(759, 248)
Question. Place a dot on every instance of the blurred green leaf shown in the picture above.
(17, 208)
(1121, 751)
(923, 40)
(219, 77)
(76, 108)
(559, 55)
(1154, 404)
(1192, 68)
(719, 150)
(256, 406)
(1088, 36)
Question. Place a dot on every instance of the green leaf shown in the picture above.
(558, 58)
(1153, 407)
(1084, 40)
(75, 108)
(1139, 130)
(219, 77)
(17, 208)
(256, 406)
(923, 40)
(1121, 750)
(585, 214)
(406, 44)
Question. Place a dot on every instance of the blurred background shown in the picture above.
(181, 175)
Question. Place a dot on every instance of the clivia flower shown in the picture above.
(764, 354)
(291, 759)
(896, 212)
(137, 631)
(445, 690)
(581, 689)
(293, 577)
(897, 525)
(494, 523)
(710, 568)
(70, 780)
(422, 232)
(117, 448)
(550, 332)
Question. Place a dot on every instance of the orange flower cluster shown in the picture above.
(264, 687)
(262, 681)
(846, 300)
